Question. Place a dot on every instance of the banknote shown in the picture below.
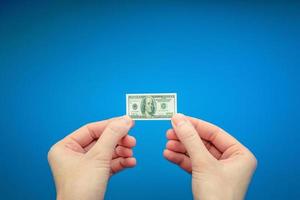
(160, 106)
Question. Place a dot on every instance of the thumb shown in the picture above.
(190, 138)
(112, 134)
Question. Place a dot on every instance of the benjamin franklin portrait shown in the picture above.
(148, 106)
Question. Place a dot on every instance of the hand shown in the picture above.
(83, 161)
(221, 167)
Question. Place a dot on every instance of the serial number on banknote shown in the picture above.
(160, 106)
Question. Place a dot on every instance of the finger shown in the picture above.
(124, 151)
(218, 137)
(190, 138)
(119, 151)
(89, 146)
(176, 146)
(120, 163)
(180, 159)
(88, 133)
(212, 149)
(110, 137)
(128, 141)
(171, 135)
(115, 155)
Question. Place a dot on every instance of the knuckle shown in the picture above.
(51, 152)
(119, 150)
(252, 161)
(55, 152)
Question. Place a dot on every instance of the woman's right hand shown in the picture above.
(221, 167)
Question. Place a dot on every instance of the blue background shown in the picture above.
(66, 64)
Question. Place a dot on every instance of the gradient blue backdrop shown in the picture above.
(66, 64)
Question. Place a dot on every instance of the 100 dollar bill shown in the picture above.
(161, 106)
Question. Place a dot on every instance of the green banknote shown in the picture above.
(160, 106)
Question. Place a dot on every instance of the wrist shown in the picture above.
(216, 190)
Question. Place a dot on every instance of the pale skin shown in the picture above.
(221, 167)
(83, 161)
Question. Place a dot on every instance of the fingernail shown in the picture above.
(178, 119)
(126, 119)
